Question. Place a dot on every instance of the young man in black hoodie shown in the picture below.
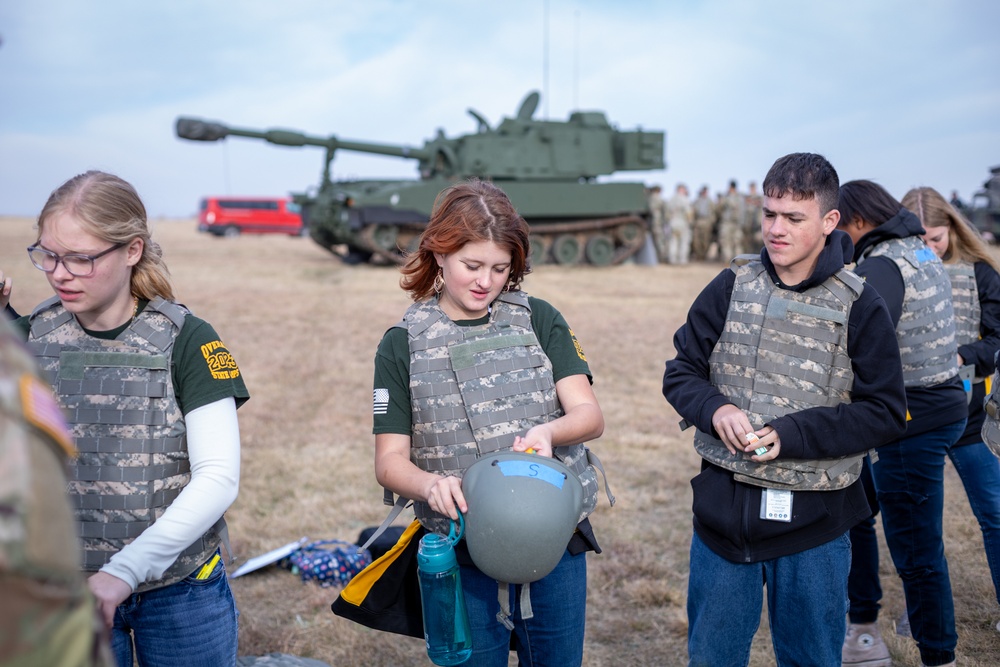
(790, 349)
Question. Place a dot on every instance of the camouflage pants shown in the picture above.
(701, 238)
(752, 238)
(730, 241)
(679, 244)
(661, 236)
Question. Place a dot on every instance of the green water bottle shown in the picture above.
(446, 621)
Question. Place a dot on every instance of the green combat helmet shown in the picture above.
(523, 509)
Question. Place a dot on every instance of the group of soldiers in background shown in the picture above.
(705, 229)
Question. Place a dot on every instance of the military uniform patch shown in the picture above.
(42, 411)
(380, 401)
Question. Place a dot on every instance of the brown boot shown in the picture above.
(863, 647)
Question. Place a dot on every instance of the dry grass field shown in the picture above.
(304, 328)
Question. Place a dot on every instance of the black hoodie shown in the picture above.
(928, 407)
(727, 512)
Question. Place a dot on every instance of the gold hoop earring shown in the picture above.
(439, 282)
(509, 286)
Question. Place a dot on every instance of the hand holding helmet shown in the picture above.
(445, 496)
(523, 510)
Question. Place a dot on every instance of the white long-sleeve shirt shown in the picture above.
(213, 440)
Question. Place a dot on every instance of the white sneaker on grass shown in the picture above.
(864, 647)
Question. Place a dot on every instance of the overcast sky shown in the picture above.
(904, 92)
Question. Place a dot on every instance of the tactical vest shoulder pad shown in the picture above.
(43, 306)
(517, 298)
(175, 312)
(855, 282)
(742, 260)
(38, 326)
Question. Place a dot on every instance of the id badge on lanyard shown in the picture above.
(776, 505)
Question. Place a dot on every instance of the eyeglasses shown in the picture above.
(76, 264)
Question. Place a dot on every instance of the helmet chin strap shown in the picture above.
(526, 610)
(503, 596)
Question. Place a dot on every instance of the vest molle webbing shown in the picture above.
(926, 328)
(119, 401)
(473, 389)
(782, 352)
(965, 303)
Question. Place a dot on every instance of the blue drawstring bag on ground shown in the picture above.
(328, 562)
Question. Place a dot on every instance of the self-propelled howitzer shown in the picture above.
(984, 211)
(548, 168)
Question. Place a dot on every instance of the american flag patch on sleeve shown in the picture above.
(40, 408)
(380, 401)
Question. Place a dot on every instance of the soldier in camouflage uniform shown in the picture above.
(908, 475)
(753, 215)
(680, 214)
(658, 221)
(477, 366)
(703, 228)
(785, 403)
(150, 393)
(731, 221)
(48, 617)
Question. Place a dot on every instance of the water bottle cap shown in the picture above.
(436, 553)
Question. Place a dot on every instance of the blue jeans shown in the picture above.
(188, 624)
(806, 603)
(863, 586)
(909, 479)
(980, 473)
(553, 637)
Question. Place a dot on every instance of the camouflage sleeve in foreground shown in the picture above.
(41, 585)
(991, 424)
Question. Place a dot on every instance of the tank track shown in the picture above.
(591, 242)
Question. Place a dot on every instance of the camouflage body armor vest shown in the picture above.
(473, 389)
(926, 328)
(119, 400)
(782, 352)
(965, 303)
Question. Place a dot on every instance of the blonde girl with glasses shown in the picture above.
(151, 393)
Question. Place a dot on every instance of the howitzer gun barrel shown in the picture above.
(196, 129)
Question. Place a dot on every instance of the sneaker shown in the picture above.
(863, 647)
(903, 625)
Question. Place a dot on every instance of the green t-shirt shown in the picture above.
(202, 369)
(391, 398)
